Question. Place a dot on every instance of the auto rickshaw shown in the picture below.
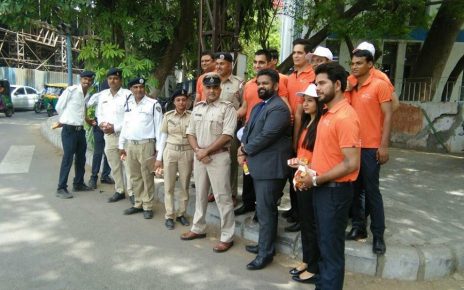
(6, 105)
(49, 98)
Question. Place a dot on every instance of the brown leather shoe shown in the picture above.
(222, 247)
(211, 197)
(191, 236)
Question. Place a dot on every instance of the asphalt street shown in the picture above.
(87, 243)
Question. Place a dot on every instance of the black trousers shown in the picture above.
(74, 145)
(99, 154)
(248, 191)
(368, 184)
(268, 192)
(308, 230)
(293, 196)
(331, 207)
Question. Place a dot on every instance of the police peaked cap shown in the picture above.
(225, 56)
(87, 74)
(136, 81)
(211, 80)
(114, 71)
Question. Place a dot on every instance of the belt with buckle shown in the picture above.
(76, 128)
(140, 142)
(336, 184)
(179, 147)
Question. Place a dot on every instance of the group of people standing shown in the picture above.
(319, 118)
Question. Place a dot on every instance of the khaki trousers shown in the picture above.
(176, 161)
(117, 166)
(215, 174)
(141, 177)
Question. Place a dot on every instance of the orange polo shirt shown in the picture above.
(302, 152)
(250, 94)
(338, 128)
(376, 74)
(298, 83)
(366, 101)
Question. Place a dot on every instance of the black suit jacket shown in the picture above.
(267, 142)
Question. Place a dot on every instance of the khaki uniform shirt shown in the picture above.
(210, 121)
(232, 91)
(175, 126)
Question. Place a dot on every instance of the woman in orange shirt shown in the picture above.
(307, 271)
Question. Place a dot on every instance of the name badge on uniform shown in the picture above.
(172, 122)
(199, 115)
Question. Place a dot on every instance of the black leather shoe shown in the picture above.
(259, 263)
(291, 220)
(81, 187)
(116, 196)
(296, 272)
(252, 249)
(287, 213)
(169, 223)
(132, 199)
(356, 234)
(183, 220)
(107, 180)
(63, 193)
(147, 214)
(244, 209)
(293, 228)
(311, 280)
(132, 210)
(93, 183)
(378, 246)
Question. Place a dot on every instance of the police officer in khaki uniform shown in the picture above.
(177, 157)
(140, 132)
(231, 91)
(210, 132)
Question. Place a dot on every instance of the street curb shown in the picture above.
(402, 262)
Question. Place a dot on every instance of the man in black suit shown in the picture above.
(266, 147)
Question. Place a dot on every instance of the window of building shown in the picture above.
(412, 52)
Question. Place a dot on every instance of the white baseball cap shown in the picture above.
(322, 52)
(365, 46)
(310, 91)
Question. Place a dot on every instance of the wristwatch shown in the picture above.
(314, 180)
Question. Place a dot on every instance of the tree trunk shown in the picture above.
(458, 68)
(183, 35)
(437, 47)
(316, 39)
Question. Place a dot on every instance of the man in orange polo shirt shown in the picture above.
(352, 81)
(371, 99)
(335, 159)
(261, 61)
(208, 64)
(273, 64)
(298, 81)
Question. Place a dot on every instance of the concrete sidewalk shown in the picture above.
(424, 207)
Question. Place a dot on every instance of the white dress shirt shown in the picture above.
(143, 121)
(71, 106)
(110, 109)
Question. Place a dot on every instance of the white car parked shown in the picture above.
(24, 97)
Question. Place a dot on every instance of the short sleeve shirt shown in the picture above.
(175, 126)
(298, 82)
(367, 100)
(211, 120)
(338, 128)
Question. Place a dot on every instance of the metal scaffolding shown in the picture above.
(39, 47)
